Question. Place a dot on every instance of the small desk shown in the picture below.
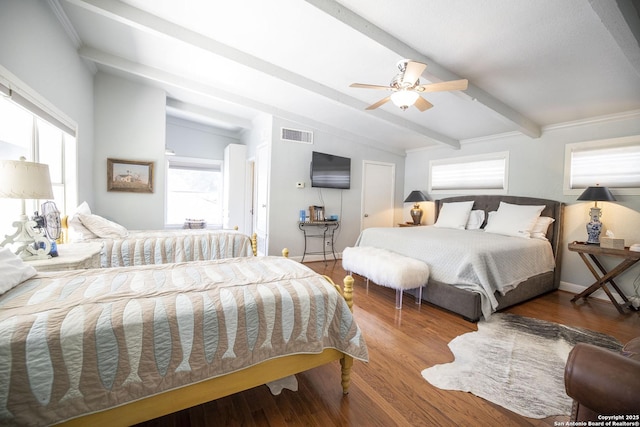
(603, 276)
(324, 230)
(71, 256)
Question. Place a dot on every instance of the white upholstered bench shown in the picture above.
(388, 269)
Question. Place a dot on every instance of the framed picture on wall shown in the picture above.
(129, 175)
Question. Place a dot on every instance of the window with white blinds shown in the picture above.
(24, 133)
(485, 174)
(613, 163)
(193, 191)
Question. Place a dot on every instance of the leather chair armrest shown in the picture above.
(604, 381)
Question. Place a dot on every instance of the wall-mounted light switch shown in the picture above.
(299, 184)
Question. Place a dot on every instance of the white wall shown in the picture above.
(129, 125)
(191, 139)
(537, 169)
(35, 48)
(290, 162)
(259, 133)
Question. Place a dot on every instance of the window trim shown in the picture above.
(596, 144)
(501, 155)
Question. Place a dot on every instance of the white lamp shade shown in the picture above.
(404, 98)
(20, 179)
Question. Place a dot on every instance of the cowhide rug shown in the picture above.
(516, 362)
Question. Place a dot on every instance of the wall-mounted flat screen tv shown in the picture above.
(329, 171)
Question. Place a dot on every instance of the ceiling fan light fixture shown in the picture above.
(404, 98)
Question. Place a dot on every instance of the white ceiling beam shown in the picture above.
(214, 116)
(348, 17)
(163, 77)
(144, 21)
(622, 19)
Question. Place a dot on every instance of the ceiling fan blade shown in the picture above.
(366, 86)
(379, 103)
(444, 86)
(422, 104)
(413, 72)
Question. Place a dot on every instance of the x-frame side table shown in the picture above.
(589, 254)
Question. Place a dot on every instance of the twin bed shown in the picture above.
(169, 246)
(474, 272)
(123, 248)
(123, 345)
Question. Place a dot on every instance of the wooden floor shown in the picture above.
(389, 390)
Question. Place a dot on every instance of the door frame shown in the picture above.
(249, 223)
(262, 163)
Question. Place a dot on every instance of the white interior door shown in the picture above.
(262, 198)
(378, 193)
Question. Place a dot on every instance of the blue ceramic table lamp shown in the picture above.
(594, 226)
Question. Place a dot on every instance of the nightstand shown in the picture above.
(71, 256)
(591, 252)
(409, 224)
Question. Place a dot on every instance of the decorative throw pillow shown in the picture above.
(77, 231)
(539, 231)
(514, 220)
(102, 227)
(13, 270)
(476, 218)
(454, 215)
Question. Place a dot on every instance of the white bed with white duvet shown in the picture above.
(477, 264)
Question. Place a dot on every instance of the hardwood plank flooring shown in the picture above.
(389, 390)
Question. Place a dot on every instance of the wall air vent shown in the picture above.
(295, 135)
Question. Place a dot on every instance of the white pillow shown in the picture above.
(539, 230)
(102, 227)
(490, 217)
(454, 215)
(476, 218)
(514, 220)
(77, 231)
(13, 270)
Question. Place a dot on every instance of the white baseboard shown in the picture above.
(576, 289)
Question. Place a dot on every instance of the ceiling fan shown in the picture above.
(406, 87)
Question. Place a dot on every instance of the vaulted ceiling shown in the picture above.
(530, 64)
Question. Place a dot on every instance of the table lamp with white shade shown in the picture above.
(23, 180)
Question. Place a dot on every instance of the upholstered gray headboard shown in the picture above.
(490, 203)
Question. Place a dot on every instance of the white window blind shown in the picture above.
(614, 167)
(487, 173)
(612, 163)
